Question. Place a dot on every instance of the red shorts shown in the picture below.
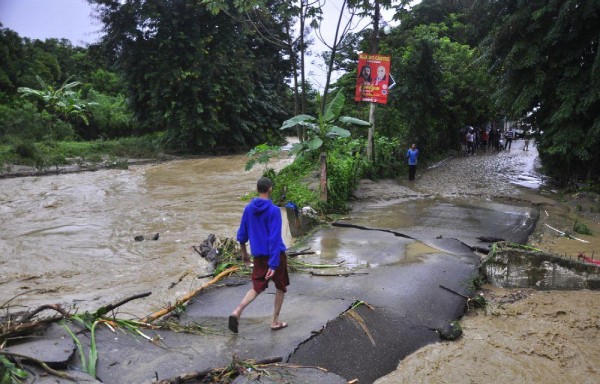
(261, 267)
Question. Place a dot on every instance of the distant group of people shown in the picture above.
(491, 138)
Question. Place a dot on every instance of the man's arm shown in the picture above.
(245, 257)
(274, 238)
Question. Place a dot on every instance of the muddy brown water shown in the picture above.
(69, 238)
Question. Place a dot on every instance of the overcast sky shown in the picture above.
(42, 19)
(72, 19)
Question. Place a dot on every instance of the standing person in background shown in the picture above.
(412, 154)
(470, 142)
(526, 137)
(509, 138)
(261, 224)
(485, 138)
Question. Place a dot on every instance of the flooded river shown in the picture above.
(69, 238)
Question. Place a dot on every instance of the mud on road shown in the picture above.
(525, 335)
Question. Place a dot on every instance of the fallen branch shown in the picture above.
(126, 300)
(565, 234)
(456, 293)
(294, 254)
(22, 328)
(339, 274)
(186, 298)
(202, 374)
(54, 307)
(20, 294)
(40, 363)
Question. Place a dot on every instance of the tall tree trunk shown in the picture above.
(294, 60)
(302, 64)
(371, 134)
(323, 180)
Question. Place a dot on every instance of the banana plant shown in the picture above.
(322, 130)
(65, 102)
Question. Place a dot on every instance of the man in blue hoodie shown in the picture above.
(412, 154)
(261, 225)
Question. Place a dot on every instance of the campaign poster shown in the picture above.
(373, 80)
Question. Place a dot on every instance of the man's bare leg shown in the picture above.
(250, 296)
(276, 324)
(237, 313)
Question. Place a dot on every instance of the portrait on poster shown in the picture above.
(373, 79)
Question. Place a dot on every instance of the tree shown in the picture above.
(547, 62)
(204, 77)
(322, 130)
(64, 102)
(11, 61)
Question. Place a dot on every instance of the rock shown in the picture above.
(207, 250)
(40, 376)
(450, 331)
(149, 237)
(54, 352)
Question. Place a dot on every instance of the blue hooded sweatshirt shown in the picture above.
(261, 224)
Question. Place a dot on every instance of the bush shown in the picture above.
(581, 228)
(345, 167)
(110, 116)
(293, 183)
(26, 122)
(389, 158)
(27, 150)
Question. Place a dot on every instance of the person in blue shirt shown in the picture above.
(261, 225)
(412, 154)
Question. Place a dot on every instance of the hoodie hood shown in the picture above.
(258, 205)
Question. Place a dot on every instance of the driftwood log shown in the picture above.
(187, 297)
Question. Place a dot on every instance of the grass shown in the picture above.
(43, 155)
(581, 228)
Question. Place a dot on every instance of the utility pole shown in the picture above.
(374, 51)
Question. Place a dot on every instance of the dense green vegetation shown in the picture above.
(192, 77)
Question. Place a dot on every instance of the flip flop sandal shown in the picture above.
(282, 325)
(233, 324)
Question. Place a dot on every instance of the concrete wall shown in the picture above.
(515, 268)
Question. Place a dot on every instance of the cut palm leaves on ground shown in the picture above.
(226, 374)
(88, 364)
(359, 321)
(296, 265)
(193, 328)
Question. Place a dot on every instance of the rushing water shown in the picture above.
(70, 238)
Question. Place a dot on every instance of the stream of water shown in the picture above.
(69, 238)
